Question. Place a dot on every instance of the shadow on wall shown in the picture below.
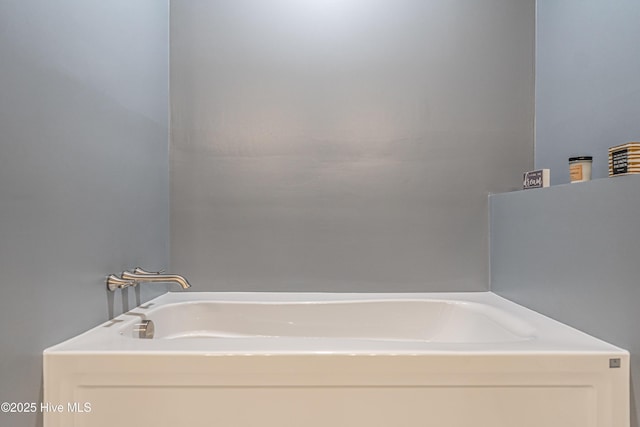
(111, 298)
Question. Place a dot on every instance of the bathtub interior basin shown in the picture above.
(441, 321)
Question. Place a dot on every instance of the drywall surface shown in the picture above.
(587, 81)
(345, 146)
(83, 172)
(571, 252)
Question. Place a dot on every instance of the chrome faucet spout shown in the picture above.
(141, 276)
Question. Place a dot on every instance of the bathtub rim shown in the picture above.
(552, 337)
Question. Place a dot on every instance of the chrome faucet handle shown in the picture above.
(139, 270)
(114, 282)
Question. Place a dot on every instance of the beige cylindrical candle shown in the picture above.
(580, 168)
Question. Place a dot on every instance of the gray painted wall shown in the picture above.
(571, 252)
(587, 84)
(345, 146)
(83, 171)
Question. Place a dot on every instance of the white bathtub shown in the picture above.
(283, 359)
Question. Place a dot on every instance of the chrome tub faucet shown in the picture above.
(128, 278)
(114, 282)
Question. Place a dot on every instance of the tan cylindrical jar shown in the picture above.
(580, 168)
